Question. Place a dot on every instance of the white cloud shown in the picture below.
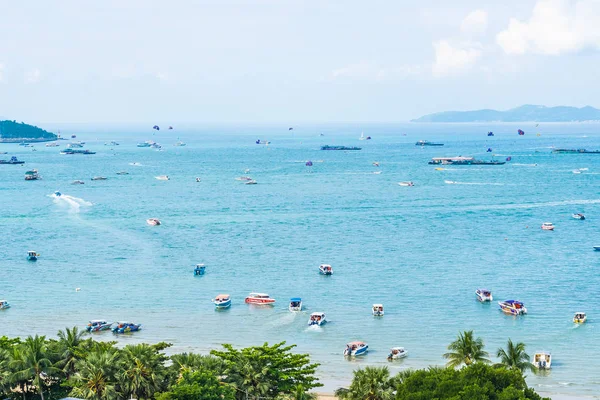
(454, 59)
(372, 71)
(33, 76)
(555, 27)
(475, 22)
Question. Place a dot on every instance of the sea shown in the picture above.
(421, 251)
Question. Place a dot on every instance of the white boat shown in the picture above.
(377, 172)
(317, 318)
(153, 221)
(406, 183)
(222, 301)
(548, 226)
(4, 304)
(579, 216)
(377, 310)
(512, 307)
(295, 304)
(53, 144)
(122, 173)
(77, 182)
(397, 353)
(162, 177)
(484, 295)
(259, 298)
(576, 171)
(357, 348)
(99, 178)
(197, 179)
(579, 317)
(325, 269)
(542, 360)
(450, 182)
(179, 144)
(75, 145)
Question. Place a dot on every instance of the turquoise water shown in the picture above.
(421, 251)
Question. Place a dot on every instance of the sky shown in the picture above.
(270, 61)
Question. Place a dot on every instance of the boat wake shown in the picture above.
(531, 205)
(473, 183)
(135, 164)
(74, 204)
(314, 328)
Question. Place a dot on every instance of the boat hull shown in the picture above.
(356, 353)
(259, 301)
(222, 305)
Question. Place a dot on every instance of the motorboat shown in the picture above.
(126, 327)
(4, 304)
(450, 182)
(250, 182)
(579, 216)
(542, 360)
(153, 221)
(407, 183)
(579, 317)
(57, 194)
(197, 179)
(32, 175)
(295, 304)
(99, 178)
(576, 171)
(179, 144)
(144, 144)
(397, 353)
(112, 143)
(548, 226)
(122, 173)
(78, 182)
(377, 172)
(162, 177)
(363, 137)
(200, 269)
(490, 134)
(265, 142)
(32, 255)
(377, 310)
(427, 143)
(76, 151)
(75, 145)
(317, 319)
(325, 269)
(97, 325)
(13, 160)
(597, 248)
(512, 307)
(259, 298)
(243, 178)
(156, 146)
(356, 349)
(53, 144)
(222, 301)
(484, 295)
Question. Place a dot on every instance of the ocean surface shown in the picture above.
(421, 251)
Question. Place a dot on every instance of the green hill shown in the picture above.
(526, 113)
(12, 131)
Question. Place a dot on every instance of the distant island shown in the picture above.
(525, 113)
(14, 132)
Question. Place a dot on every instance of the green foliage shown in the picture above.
(267, 371)
(370, 383)
(198, 385)
(515, 356)
(14, 130)
(466, 350)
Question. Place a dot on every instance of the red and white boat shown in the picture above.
(259, 298)
(153, 221)
(547, 226)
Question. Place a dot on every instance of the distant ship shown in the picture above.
(427, 143)
(462, 161)
(76, 151)
(340, 148)
(576, 151)
(13, 160)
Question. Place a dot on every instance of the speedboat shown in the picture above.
(484, 295)
(450, 182)
(78, 182)
(317, 318)
(153, 221)
(53, 144)
(250, 182)
(547, 226)
(122, 173)
(579, 318)
(13, 160)
(4, 304)
(99, 178)
(97, 325)
(259, 298)
(144, 144)
(32, 255)
(200, 269)
(197, 179)
(75, 145)
(397, 352)
(325, 269)
(57, 194)
(179, 144)
(512, 307)
(542, 360)
(126, 327)
(597, 248)
(32, 175)
(222, 301)
(579, 216)
(356, 348)
(162, 177)
(378, 310)
(243, 178)
(407, 183)
(295, 304)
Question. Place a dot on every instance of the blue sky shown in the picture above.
(291, 60)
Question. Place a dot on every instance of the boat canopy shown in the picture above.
(317, 314)
(32, 253)
(356, 343)
(259, 295)
(222, 297)
(515, 303)
(97, 321)
(295, 299)
(377, 305)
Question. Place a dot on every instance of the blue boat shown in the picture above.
(126, 327)
(200, 269)
(13, 160)
(222, 301)
(356, 349)
(32, 255)
(512, 307)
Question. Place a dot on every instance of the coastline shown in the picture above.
(553, 396)
(29, 140)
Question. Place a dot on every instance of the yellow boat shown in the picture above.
(439, 169)
(579, 318)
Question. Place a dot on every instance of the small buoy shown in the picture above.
(505, 238)
(78, 289)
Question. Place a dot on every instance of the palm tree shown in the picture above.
(143, 371)
(68, 342)
(515, 356)
(300, 393)
(370, 383)
(32, 363)
(247, 379)
(466, 350)
(95, 378)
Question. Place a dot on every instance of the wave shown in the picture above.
(474, 183)
(74, 204)
(533, 205)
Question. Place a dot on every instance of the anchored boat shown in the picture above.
(427, 143)
(579, 318)
(579, 216)
(32, 175)
(378, 310)
(548, 226)
(512, 307)
(259, 298)
(153, 221)
(97, 325)
(542, 360)
(126, 327)
(32, 255)
(397, 353)
(13, 160)
(484, 295)
(222, 301)
(200, 269)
